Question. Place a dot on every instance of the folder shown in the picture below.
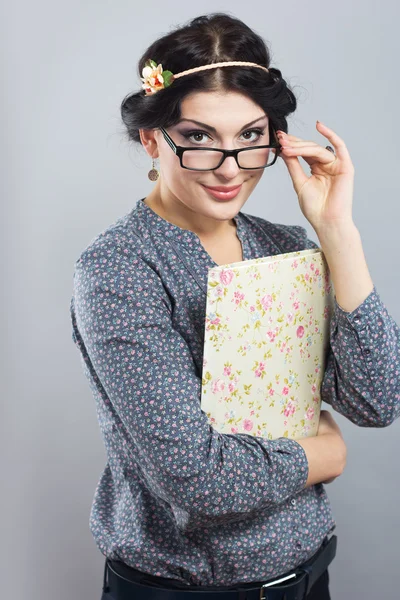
(266, 338)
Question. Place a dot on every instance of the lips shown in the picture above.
(222, 188)
(223, 192)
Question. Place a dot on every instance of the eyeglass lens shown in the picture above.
(251, 158)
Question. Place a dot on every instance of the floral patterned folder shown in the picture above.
(265, 344)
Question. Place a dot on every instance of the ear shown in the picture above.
(149, 142)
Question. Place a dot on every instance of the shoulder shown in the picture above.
(109, 242)
(289, 238)
(117, 261)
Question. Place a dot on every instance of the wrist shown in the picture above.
(337, 451)
(326, 456)
(340, 451)
(337, 233)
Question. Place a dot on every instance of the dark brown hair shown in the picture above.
(207, 39)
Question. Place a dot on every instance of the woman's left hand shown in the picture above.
(325, 196)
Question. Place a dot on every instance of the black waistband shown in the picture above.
(145, 586)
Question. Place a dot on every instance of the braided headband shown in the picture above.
(155, 79)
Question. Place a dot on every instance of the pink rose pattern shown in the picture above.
(278, 322)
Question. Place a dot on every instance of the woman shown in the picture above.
(181, 507)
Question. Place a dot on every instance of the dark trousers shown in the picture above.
(319, 591)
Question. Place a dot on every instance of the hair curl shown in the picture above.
(207, 39)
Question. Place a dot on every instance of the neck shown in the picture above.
(173, 210)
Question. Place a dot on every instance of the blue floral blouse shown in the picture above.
(177, 498)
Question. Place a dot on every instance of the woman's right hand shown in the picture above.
(326, 452)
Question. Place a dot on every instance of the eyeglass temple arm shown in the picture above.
(168, 140)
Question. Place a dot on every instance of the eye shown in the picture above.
(258, 133)
(195, 136)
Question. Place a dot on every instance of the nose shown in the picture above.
(229, 168)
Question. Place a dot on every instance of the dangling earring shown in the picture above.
(153, 174)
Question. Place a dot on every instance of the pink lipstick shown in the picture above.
(223, 192)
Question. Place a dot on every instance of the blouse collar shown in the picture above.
(169, 229)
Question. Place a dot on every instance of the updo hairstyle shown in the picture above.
(208, 39)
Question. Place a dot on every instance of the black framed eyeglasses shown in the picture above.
(209, 159)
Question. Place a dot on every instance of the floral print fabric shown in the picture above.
(176, 498)
(266, 340)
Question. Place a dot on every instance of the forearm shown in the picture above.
(326, 455)
(344, 254)
(361, 378)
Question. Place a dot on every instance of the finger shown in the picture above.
(288, 136)
(338, 144)
(296, 171)
(298, 143)
(310, 154)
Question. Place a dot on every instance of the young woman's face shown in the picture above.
(211, 120)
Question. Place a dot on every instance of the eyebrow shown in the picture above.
(213, 128)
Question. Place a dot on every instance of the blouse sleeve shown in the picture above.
(123, 315)
(362, 376)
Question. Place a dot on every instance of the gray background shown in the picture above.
(68, 172)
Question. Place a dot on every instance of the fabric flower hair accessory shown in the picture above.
(154, 78)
